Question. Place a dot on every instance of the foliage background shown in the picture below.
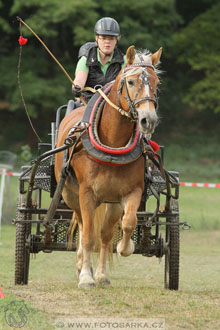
(187, 30)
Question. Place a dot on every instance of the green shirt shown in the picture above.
(81, 65)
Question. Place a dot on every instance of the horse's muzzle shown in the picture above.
(148, 122)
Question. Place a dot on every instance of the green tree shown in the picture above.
(188, 62)
(64, 26)
(61, 25)
(189, 9)
(144, 23)
(198, 46)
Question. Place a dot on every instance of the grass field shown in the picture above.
(136, 290)
(195, 157)
(137, 282)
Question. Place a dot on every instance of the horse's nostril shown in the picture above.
(144, 122)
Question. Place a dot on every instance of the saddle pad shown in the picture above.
(92, 144)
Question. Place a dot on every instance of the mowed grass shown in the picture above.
(200, 207)
(137, 282)
(195, 156)
(136, 289)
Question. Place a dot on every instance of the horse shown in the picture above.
(119, 187)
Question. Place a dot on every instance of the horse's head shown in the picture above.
(138, 88)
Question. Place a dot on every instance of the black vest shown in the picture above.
(95, 75)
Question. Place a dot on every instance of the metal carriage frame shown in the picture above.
(41, 229)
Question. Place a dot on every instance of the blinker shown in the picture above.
(121, 86)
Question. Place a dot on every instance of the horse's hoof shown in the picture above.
(102, 280)
(86, 282)
(125, 252)
(86, 286)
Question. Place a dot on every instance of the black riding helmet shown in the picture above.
(107, 26)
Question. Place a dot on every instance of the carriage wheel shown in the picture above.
(171, 276)
(22, 254)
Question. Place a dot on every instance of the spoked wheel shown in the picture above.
(22, 254)
(171, 276)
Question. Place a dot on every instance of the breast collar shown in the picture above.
(91, 142)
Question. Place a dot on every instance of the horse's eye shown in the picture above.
(131, 83)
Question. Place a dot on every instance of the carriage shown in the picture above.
(149, 239)
(40, 228)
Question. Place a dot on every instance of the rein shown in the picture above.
(120, 110)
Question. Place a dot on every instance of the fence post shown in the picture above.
(8, 203)
(1, 197)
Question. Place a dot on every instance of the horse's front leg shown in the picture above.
(87, 205)
(112, 215)
(131, 203)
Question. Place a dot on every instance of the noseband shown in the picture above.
(144, 81)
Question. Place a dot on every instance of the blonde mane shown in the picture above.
(141, 55)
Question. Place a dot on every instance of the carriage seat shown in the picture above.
(71, 105)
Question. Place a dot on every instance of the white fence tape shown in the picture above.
(200, 185)
(11, 174)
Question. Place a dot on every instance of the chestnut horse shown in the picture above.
(120, 187)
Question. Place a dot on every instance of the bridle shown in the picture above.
(133, 113)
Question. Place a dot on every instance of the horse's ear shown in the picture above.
(130, 55)
(156, 57)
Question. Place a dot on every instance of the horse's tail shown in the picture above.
(70, 231)
(98, 223)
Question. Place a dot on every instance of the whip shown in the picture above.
(47, 49)
(22, 41)
(20, 87)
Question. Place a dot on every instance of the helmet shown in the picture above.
(107, 26)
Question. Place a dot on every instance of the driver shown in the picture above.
(100, 61)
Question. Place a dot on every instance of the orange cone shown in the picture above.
(1, 294)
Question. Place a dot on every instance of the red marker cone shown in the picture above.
(1, 294)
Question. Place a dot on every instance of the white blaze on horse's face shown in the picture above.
(147, 116)
(141, 87)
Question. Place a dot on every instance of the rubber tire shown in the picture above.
(22, 254)
(171, 273)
